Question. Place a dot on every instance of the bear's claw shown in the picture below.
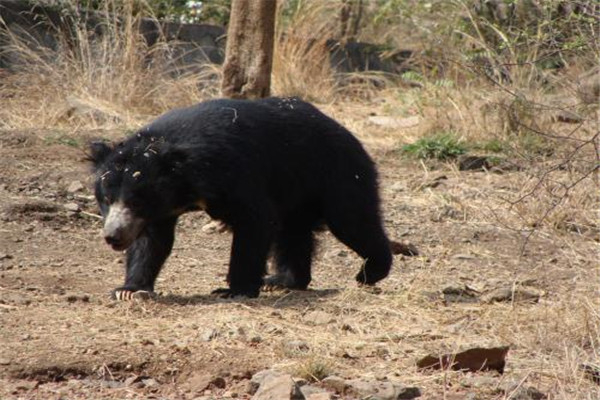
(129, 295)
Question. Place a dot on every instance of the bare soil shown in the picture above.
(61, 337)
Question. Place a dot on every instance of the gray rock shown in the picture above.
(276, 386)
(209, 335)
(313, 392)
(297, 346)
(459, 294)
(72, 207)
(150, 383)
(75, 187)
(381, 390)
(335, 383)
(513, 294)
(568, 117)
(258, 378)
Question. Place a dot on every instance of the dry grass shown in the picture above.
(89, 81)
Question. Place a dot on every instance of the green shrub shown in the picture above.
(441, 146)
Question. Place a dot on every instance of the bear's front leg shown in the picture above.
(251, 242)
(145, 258)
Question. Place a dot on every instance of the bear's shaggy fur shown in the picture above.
(273, 170)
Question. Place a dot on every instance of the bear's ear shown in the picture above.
(98, 151)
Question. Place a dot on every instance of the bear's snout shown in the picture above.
(121, 228)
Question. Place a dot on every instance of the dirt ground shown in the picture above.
(61, 337)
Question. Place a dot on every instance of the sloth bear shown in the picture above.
(274, 170)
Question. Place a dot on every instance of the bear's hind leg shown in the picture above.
(357, 224)
(293, 257)
(145, 258)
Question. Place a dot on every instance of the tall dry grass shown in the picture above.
(110, 77)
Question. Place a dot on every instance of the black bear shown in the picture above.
(273, 170)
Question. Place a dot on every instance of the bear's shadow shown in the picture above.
(275, 299)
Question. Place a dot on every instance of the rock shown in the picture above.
(111, 384)
(258, 378)
(313, 392)
(150, 382)
(72, 207)
(240, 388)
(297, 346)
(278, 387)
(197, 382)
(514, 294)
(318, 317)
(75, 187)
(404, 248)
(591, 370)
(394, 123)
(24, 384)
(474, 360)
(568, 117)
(334, 383)
(319, 396)
(214, 227)
(517, 391)
(381, 390)
(4, 361)
(89, 109)
(459, 294)
(473, 163)
(134, 381)
(432, 183)
(209, 335)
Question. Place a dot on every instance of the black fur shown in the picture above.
(271, 169)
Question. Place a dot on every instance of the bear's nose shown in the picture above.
(113, 240)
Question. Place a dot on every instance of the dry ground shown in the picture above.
(61, 337)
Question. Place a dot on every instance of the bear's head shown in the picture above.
(138, 181)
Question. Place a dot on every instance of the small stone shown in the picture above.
(131, 380)
(75, 187)
(473, 163)
(334, 383)
(209, 335)
(297, 346)
(72, 207)
(4, 361)
(150, 383)
(24, 384)
(112, 384)
(214, 227)
(459, 294)
(568, 117)
(513, 294)
(318, 396)
(198, 382)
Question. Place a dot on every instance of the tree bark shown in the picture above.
(249, 51)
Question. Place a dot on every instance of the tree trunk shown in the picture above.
(249, 52)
